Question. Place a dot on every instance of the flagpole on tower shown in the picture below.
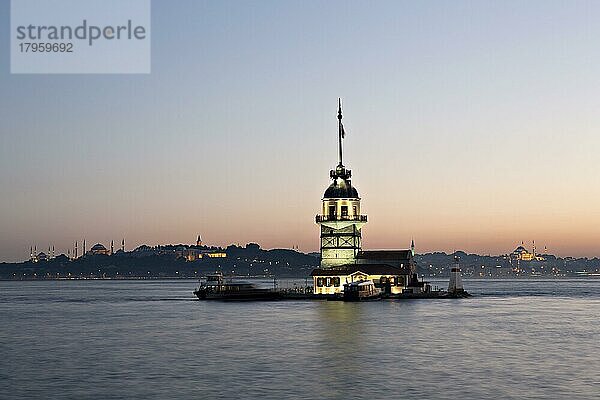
(340, 128)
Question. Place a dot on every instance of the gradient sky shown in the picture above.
(470, 125)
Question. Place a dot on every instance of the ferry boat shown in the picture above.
(360, 291)
(216, 288)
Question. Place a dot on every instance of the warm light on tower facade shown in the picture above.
(342, 259)
(340, 221)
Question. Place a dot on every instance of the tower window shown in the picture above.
(354, 210)
(332, 210)
(344, 211)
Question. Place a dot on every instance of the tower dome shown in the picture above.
(341, 189)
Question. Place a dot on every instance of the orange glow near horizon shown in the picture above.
(456, 147)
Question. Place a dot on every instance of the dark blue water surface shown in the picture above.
(518, 339)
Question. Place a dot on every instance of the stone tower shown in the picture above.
(340, 221)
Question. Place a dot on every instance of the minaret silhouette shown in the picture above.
(112, 247)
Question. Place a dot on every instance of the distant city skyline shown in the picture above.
(470, 126)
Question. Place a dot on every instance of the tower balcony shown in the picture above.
(333, 218)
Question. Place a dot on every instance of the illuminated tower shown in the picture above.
(123, 245)
(199, 241)
(412, 247)
(341, 221)
(455, 285)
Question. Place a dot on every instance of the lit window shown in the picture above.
(332, 210)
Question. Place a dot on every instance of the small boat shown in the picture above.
(361, 291)
(216, 288)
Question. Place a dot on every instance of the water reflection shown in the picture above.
(122, 340)
(342, 329)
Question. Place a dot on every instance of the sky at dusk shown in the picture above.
(471, 125)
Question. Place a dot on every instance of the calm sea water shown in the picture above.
(525, 339)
